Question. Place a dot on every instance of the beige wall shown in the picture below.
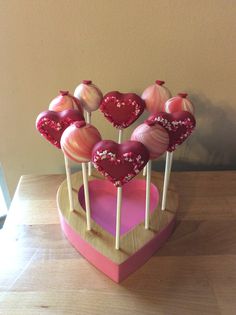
(47, 45)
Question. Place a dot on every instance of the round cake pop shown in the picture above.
(65, 101)
(178, 103)
(155, 96)
(153, 136)
(89, 95)
(78, 140)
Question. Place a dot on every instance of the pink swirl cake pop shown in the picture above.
(178, 103)
(78, 140)
(89, 95)
(65, 101)
(153, 136)
(155, 96)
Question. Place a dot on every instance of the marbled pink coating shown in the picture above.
(155, 138)
(89, 95)
(78, 140)
(65, 101)
(155, 96)
(178, 103)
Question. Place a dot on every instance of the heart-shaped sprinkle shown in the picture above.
(122, 109)
(179, 125)
(119, 162)
(51, 125)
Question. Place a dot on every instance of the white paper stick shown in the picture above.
(118, 215)
(144, 171)
(170, 166)
(148, 184)
(169, 156)
(88, 119)
(86, 196)
(69, 186)
(120, 136)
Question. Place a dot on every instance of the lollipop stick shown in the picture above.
(69, 186)
(170, 166)
(118, 212)
(120, 136)
(86, 194)
(148, 184)
(169, 156)
(144, 171)
(88, 118)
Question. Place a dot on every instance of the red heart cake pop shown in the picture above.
(119, 162)
(122, 109)
(179, 125)
(51, 125)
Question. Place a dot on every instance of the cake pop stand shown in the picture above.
(137, 245)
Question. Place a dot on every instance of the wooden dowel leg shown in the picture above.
(86, 195)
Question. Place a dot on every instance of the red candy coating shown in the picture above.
(122, 109)
(51, 125)
(179, 126)
(119, 162)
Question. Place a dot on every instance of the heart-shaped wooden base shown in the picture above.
(98, 245)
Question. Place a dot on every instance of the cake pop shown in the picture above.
(156, 140)
(51, 124)
(122, 109)
(119, 163)
(90, 97)
(155, 96)
(178, 103)
(153, 136)
(65, 101)
(77, 143)
(179, 126)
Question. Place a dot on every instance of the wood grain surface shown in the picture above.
(193, 273)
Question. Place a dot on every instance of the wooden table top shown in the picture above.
(193, 273)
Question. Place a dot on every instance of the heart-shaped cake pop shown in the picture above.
(119, 162)
(179, 125)
(122, 109)
(51, 125)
